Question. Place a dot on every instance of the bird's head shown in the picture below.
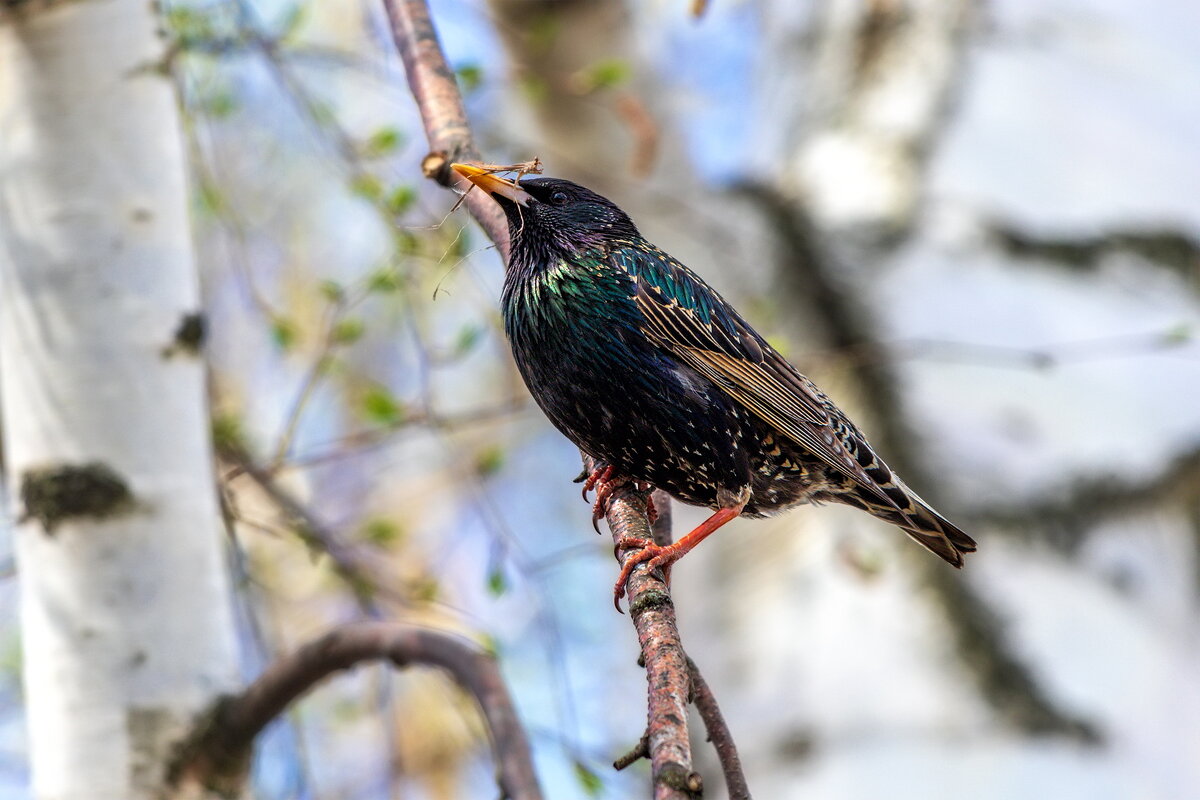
(551, 213)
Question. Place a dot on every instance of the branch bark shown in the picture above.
(653, 615)
(435, 89)
(719, 734)
(217, 757)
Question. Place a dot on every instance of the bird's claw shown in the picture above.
(604, 493)
(604, 480)
(602, 473)
(654, 556)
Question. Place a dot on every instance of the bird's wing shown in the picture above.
(685, 317)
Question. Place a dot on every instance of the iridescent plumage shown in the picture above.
(646, 368)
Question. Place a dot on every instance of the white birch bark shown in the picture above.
(127, 624)
(861, 90)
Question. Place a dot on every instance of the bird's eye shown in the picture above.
(558, 198)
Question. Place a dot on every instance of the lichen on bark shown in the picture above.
(57, 493)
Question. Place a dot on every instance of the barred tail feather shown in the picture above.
(941, 537)
(917, 519)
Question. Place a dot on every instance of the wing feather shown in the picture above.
(691, 322)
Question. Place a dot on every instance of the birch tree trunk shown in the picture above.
(126, 617)
(861, 92)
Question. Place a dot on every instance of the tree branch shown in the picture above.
(1172, 249)
(217, 756)
(352, 566)
(653, 615)
(435, 89)
(718, 734)
(1064, 516)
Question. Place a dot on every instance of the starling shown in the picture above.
(647, 369)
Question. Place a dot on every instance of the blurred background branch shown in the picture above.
(217, 756)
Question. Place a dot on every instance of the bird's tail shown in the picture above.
(916, 518)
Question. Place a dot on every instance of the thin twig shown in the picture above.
(346, 562)
(719, 734)
(636, 753)
(217, 757)
(660, 529)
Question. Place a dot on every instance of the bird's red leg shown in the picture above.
(655, 556)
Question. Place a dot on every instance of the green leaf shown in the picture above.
(497, 583)
(381, 531)
(332, 291)
(588, 779)
(321, 112)
(467, 338)
(367, 186)
(209, 197)
(401, 199)
(425, 589)
(228, 434)
(383, 142)
(284, 332)
(406, 242)
(189, 24)
(470, 76)
(383, 281)
(489, 460)
(606, 74)
(348, 331)
(380, 406)
(488, 644)
(534, 88)
(1178, 334)
(219, 105)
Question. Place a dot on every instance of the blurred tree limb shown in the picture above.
(351, 565)
(1065, 515)
(217, 756)
(1175, 250)
(812, 273)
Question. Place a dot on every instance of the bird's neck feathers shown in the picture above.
(553, 289)
(534, 249)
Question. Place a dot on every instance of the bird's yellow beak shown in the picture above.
(493, 184)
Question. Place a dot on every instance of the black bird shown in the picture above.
(647, 369)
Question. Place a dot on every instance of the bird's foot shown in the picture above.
(654, 556)
(605, 481)
(604, 493)
(599, 475)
